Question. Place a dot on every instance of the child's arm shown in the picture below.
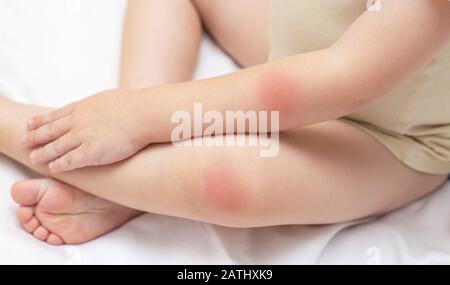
(378, 52)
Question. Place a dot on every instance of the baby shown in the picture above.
(362, 97)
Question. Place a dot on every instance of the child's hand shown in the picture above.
(101, 129)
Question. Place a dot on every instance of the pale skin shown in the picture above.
(327, 171)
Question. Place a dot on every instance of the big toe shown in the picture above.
(46, 194)
(29, 192)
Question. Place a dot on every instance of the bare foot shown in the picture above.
(60, 214)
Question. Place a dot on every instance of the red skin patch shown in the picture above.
(225, 191)
(277, 92)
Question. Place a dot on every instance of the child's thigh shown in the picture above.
(239, 26)
(326, 173)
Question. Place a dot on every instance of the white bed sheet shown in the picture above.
(55, 51)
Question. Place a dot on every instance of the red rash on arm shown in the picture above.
(277, 92)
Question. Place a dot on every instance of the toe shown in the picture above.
(29, 192)
(24, 214)
(41, 233)
(32, 225)
(54, 239)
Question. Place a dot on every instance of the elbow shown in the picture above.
(325, 82)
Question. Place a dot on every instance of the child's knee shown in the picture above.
(228, 194)
(225, 188)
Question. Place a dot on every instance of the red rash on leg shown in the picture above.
(224, 190)
(277, 92)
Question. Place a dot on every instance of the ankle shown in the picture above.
(10, 121)
(13, 118)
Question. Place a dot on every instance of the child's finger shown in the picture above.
(38, 121)
(70, 161)
(55, 149)
(47, 133)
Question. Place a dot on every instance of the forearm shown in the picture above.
(304, 89)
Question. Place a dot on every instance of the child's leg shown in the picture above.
(325, 173)
(160, 42)
(241, 27)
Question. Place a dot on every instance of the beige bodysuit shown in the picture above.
(413, 121)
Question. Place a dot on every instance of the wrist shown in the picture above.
(146, 114)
